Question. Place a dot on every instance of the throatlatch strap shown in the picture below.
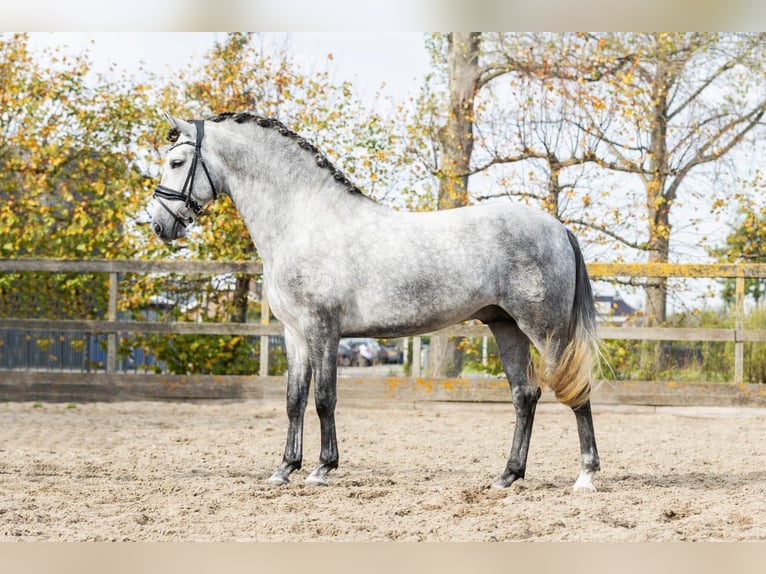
(200, 125)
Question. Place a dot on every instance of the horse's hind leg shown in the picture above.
(298, 380)
(513, 348)
(589, 461)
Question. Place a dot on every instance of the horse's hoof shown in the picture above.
(504, 482)
(278, 479)
(584, 488)
(317, 478)
(584, 483)
(312, 480)
(316, 481)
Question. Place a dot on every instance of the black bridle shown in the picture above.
(161, 192)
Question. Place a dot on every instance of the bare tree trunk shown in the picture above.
(456, 146)
(456, 136)
(658, 205)
(241, 289)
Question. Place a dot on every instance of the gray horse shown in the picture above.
(512, 267)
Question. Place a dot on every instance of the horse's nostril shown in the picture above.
(157, 228)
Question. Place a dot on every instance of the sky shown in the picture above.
(396, 59)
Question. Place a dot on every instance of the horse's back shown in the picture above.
(484, 247)
(425, 271)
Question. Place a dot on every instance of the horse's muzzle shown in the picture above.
(171, 232)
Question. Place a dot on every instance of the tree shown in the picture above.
(691, 99)
(615, 124)
(745, 243)
(67, 156)
(69, 180)
(455, 137)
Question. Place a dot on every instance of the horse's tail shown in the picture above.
(570, 379)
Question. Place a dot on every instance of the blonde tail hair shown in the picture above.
(572, 371)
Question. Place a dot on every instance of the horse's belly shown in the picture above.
(390, 317)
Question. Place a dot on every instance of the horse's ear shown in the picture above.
(183, 127)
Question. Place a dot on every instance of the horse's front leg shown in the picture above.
(325, 366)
(298, 380)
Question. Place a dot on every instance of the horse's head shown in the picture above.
(186, 186)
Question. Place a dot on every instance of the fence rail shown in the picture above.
(737, 271)
(111, 326)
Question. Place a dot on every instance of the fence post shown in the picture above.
(265, 312)
(739, 326)
(111, 338)
(416, 357)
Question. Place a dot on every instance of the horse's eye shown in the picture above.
(174, 163)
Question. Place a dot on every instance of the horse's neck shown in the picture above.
(278, 197)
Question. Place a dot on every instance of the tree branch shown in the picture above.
(701, 157)
(508, 194)
(608, 232)
(719, 72)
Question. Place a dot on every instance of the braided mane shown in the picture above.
(274, 124)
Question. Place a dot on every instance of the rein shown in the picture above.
(161, 192)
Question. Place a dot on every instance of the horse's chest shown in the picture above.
(295, 294)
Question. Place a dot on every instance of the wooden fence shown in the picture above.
(112, 385)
